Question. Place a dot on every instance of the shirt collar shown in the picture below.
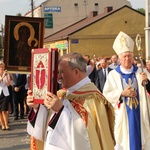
(133, 69)
(126, 71)
(78, 85)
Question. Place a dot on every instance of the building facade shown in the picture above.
(61, 14)
(95, 35)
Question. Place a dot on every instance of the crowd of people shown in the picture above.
(103, 65)
(103, 104)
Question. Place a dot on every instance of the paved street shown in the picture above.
(16, 138)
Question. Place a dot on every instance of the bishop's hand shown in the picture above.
(129, 92)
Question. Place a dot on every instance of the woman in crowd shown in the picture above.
(4, 96)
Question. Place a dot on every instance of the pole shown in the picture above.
(85, 3)
(138, 44)
(147, 29)
(32, 12)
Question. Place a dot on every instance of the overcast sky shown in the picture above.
(13, 7)
(137, 3)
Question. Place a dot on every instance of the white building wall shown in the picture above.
(74, 10)
(37, 12)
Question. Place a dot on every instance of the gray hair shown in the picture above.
(120, 55)
(75, 60)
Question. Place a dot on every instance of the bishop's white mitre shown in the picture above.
(123, 43)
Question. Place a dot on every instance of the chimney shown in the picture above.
(107, 9)
(93, 14)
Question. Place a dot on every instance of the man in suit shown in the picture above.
(102, 74)
(19, 94)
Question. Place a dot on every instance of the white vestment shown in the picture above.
(74, 130)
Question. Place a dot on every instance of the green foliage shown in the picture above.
(19, 14)
(142, 10)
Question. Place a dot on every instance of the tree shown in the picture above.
(19, 14)
(142, 10)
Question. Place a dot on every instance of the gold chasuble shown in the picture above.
(36, 144)
(97, 114)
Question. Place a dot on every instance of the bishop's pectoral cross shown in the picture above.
(132, 101)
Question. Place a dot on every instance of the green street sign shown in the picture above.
(48, 20)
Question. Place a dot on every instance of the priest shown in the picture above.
(82, 119)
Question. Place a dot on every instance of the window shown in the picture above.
(75, 4)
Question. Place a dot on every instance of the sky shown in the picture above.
(13, 7)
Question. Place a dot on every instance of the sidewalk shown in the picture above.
(16, 138)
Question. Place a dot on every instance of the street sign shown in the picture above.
(48, 20)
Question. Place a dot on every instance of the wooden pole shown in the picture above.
(32, 12)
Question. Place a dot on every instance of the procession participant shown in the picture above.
(18, 94)
(102, 74)
(124, 89)
(82, 120)
(91, 68)
(115, 62)
(4, 96)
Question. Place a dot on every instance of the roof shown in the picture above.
(64, 33)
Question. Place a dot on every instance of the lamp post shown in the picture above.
(147, 29)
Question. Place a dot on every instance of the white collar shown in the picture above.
(81, 83)
(126, 71)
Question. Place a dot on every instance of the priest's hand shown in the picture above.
(53, 102)
(30, 102)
